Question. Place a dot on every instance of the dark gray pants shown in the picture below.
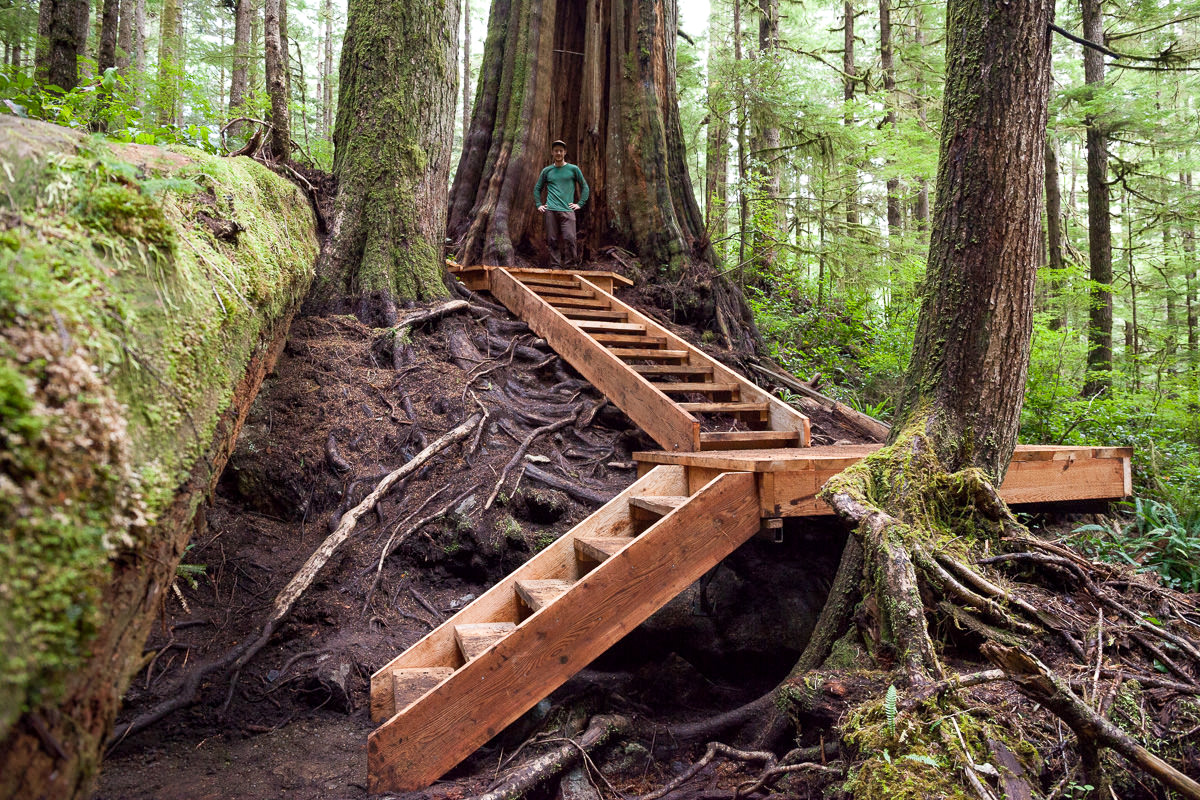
(560, 235)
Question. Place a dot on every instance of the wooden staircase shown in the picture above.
(482, 669)
(658, 379)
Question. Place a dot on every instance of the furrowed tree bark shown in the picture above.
(239, 80)
(966, 381)
(62, 34)
(769, 230)
(1100, 315)
(275, 48)
(887, 65)
(616, 108)
(170, 50)
(393, 143)
(125, 35)
(106, 55)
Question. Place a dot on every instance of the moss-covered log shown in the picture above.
(144, 294)
(393, 143)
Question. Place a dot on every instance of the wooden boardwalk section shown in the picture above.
(694, 503)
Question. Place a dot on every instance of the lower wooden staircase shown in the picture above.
(498, 657)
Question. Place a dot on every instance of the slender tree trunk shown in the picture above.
(741, 114)
(256, 45)
(1192, 283)
(106, 56)
(62, 35)
(1133, 343)
(716, 152)
(1054, 233)
(966, 381)
(895, 220)
(921, 212)
(239, 78)
(769, 232)
(169, 51)
(139, 43)
(274, 38)
(327, 73)
(849, 73)
(466, 68)
(1099, 222)
(392, 149)
(125, 36)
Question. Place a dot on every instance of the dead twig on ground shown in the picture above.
(599, 731)
(523, 448)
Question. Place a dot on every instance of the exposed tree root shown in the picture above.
(184, 694)
(538, 770)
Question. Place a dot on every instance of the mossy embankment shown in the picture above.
(144, 293)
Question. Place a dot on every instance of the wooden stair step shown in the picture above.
(704, 388)
(723, 408)
(409, 684)
(562, 291)
(645, 352)
(631, 339)
(748, 440)
(672, 369)
(577, 302)
(536, 594)
(475, 638)
(658, 504)
(599, 548)
(589, 313)
(600, 325)
(534, 280)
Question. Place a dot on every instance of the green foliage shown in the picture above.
(889, 708)
(1156, 538)
(110, 102)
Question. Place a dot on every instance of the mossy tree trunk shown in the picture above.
(275, 48)
(600, 75)
(392, 148)
(957, 418)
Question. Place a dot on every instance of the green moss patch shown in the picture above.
(124, 328)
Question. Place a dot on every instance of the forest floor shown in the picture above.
(346, 405)
(342, 409)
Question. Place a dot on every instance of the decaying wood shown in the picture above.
(185, 692)
(600, 730)
(403, 326)
(1035, 680)
(572, 488)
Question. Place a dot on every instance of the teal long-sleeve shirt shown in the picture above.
(559, 183)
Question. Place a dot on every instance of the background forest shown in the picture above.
(812, 133)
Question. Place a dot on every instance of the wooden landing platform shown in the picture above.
(789, 479)
(478, 278)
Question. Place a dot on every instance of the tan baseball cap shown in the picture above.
(558, 143)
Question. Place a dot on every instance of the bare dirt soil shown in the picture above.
(346, 405)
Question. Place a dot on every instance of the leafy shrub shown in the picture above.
(1157, 539)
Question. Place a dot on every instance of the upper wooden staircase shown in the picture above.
(663, 383)
(498, 657)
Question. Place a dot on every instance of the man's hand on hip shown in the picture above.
(542, 209)
(574, 206)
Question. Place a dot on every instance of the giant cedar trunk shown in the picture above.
(392, 148)
(600, 75)
(966, 380)
(1100, 318)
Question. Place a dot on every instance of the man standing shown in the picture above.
(559, 180)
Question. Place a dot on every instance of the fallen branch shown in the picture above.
(574, 489)
(528, 775)
(714, 748)
(238, 657)
(1035, 680)
(402, 327)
